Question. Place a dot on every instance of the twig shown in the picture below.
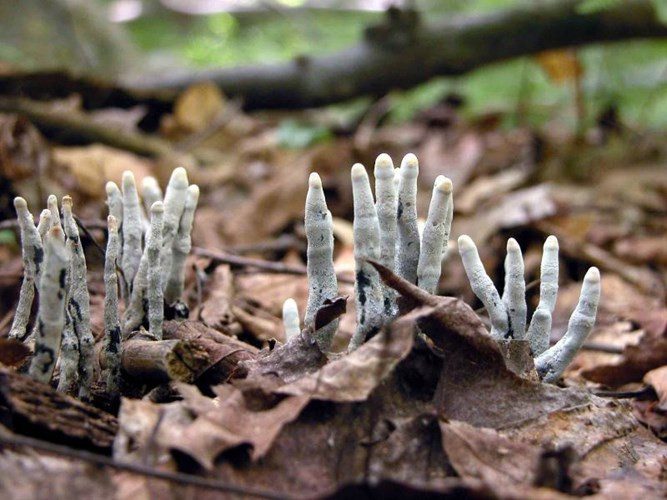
(264, 265)
(174, 477)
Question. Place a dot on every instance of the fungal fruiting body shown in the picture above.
(132, 231)
(552, 363)
(112, 339)
(385, 230)
(508, 316)
(483, 287)
(436, 235)
(154, 281)
(32, 255)
(291, 319)
(368, 288)
(407, 250)
(322, 282)
(173, 289)
(51, 310)
(386, 204)
(174, 204)
(78, 301)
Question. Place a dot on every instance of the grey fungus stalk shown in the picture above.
(32, 255)
(322, 282)
(150, 192)
(551, 364)
(132, 230)
(291, 319)
(51, 310)
(407, 251)
(173, 289)
(78, 305)
(483, 287)
(44, 225)
(368, 288)
(112, 332)
(174, 203)
(386, 204)
(514, 292)
(154, 291)
(436, 235)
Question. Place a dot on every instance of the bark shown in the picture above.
(36, 409)
(404, 51)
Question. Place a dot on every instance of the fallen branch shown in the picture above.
(403, 52)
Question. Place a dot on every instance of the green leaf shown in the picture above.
(592, 6)
(7, 237)
(296, 135)
(661, 10)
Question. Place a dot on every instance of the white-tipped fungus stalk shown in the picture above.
(68, 380)
(539, 331)
(154, 291)
(78, 305)
(291, 319)
(174, 204)
(150, 192)
(436, 235)
(322, 282)
(407, 251)
(514, 293)
(483, 287)
(52, 205)
(112, 337)
(386, 204)
(44, 224)
(32, 255)
(51, 310)
(55, 266)
(181, 247)
(368, 289)
(132, 230)
(551, 364)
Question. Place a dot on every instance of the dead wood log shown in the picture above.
(38, 410)
(403, 52)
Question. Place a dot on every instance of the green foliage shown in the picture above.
(592, 6)
(295, 134)
(7, 237)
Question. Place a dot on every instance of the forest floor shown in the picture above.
(384, 423)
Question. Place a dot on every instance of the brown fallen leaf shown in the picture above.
(229, 421)
(13, 352)
(637, 359)
(657, 379)
(216, 308)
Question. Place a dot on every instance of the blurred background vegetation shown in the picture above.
(112, 38)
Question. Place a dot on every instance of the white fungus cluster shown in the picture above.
(155, 241)
(385, 230)
(55, 265)
(508, 313)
